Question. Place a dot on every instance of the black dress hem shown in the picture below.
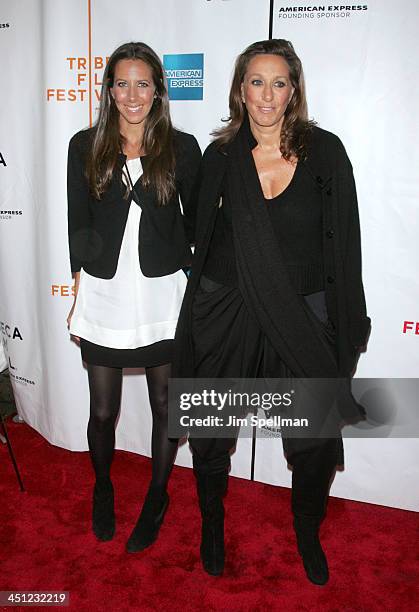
(152, 355)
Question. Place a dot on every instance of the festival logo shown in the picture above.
(63, 290)
(11, 334)
(411, 328)
(85, 81)
(185, 75)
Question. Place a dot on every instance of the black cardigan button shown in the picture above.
(329, 192)
(330, 233)
(330, 279)
(319, 179)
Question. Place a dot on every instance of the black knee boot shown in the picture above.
(103, 514)
(312, 472)
(310, 549)
(211, 489)
(150, 520)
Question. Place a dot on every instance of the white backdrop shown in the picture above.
(361, 68)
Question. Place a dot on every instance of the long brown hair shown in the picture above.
(296, 126)
(158, 131)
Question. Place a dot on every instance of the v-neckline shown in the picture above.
(287, 187)
(260, 184)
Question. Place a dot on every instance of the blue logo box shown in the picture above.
(185, 75)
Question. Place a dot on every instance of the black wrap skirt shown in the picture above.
(149, 356)
(228, 342)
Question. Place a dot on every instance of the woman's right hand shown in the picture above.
(70, 314)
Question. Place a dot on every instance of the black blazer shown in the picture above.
(96, 227)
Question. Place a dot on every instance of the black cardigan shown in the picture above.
(330, 168)
(96, 227)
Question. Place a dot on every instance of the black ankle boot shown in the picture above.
(150, 520)
(103, 514)
(309, 547)
(211, 489)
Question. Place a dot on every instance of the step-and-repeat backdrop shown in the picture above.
(361, 66)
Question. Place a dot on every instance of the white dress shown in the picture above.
(129, 310)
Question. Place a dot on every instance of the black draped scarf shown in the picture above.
(263, 276)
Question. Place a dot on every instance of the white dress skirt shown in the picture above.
(128, 320)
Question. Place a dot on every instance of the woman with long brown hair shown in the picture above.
(129, 244)
(275, 289)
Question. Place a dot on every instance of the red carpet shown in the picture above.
(46, 544)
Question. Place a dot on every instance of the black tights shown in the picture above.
(105, 395)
